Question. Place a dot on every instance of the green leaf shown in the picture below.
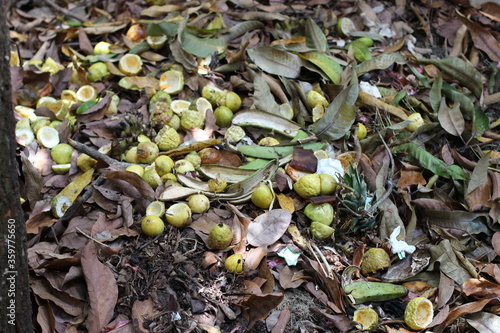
(340, 114)
(263, 98)
(169, 29)
(479, 175)
(421, 77)
(276, 62)
(480, 122)
(382, 61)
(430, 162)
(329, 66)
(466, 104)
(435, 93)
(202, 47)
(461, 71)
(360, 51)
(451, 119)
(242, 28)
(315, 38)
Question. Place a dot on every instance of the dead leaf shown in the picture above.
(257, 307)
(102, 289)
(268, 227)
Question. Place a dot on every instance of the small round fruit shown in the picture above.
(217, 185)
(178, 106)
(345, 26)
(223, 116)
(152, 225)
(164, 164)
(232, 100)
(130, 64)
(131, 155)
(375, 259)
(419, 313)
(47, 137)
(61, 169)
(220, 236)
(147, 152)
(61, 154)
(234, 263)
(360, 131)
(194, 158)
(367, 317)
(328, 184)
(97, 72)
(172, 82)
(151, 176)
(156, 208)
(322, 212)
(167, 138)
(102, 48)
(192, 119)
(210, 156)
(137, 169)
(136, 33)
(262, 197)
(320, 230)
(183, 166)
(308, 186)
(417, 121)
(86, 93)
(199, 203)
(178, 215)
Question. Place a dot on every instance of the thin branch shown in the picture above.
(64, 11)
(96, 154)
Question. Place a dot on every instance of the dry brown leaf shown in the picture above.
(409, 178)
(44, 290)
(268, 227)
(482, 38)
(257, 307)
(481, 288)
(102, 289)
(141, 311)
(286, 202)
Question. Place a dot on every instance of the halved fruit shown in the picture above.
(61, 169)
(345, 26)
(47, 137)
(367, 317)
(156, 208)
(172, 81)
(130, 64)
(179, 106)
(419, 313)
(86, 93)
(156, 42)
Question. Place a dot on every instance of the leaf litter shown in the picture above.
(431, 185)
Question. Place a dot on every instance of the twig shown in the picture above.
(96, 154)
(90, 237)
(64, 11)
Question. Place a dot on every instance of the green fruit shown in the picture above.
(192, 119)
(199, 203)
(164, 164)
(152, 225)
(220, 237)
(147, 152)
(102, 48)
(375, 259)
(178, 215)
(262, 197)
(97, 72)
(328, 184)
(320, 230)
(217, 185)
(322, 213)
(367, 291)
(152, 177)
(61, 153)
(308, 186)
(234, 263)
(231, 100)
(223, 116)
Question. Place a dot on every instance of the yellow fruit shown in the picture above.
(101, 48)
(192, 119)
(86, 93)
(223, 116)
(61, 154)
(152, 225)
(322, 213)
(156, 208)
(147, 152)
(164, 164)
(172, 82)
(131, 155)
(360, 131)
(375, 259)
(138, 169)
(217, 185)
(234, 134)
(212, 93)
(367, 317)
(320, 230)
(179, 106)
(231, 100)
(268, 141)
(308, 186)
(199, 203)
(262, 197)
(97, 72)
(179, 215)
(314, 99)
(167, 138)
(85, 162)
(419, 313)
(61, 169)
(345, 26)
(183, 166)
(151, 176)
(417, 121)
(47, 137)
(156, 42)
(234, 263)
(194, 158)
(328, 184)
(220, 236)
(130, 64)
(14, 59)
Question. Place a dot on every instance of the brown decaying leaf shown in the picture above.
(44, 290)
(102, 289)
(304, 160)
(445, 291)
(409, 178)
(482, 38)
(257, 307)
(481, 288)
(268, 227)
(142, 311)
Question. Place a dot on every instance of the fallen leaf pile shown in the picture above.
(349, 148)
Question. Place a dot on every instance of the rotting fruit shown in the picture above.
(152, 225)
(262, 197)
(178, 215)
(217, 185)
(375, 259)
(417, 121)
(234, 263)
(147, 152)
(320, 230)
(419, 313)
(367, 317)
(220, 236)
